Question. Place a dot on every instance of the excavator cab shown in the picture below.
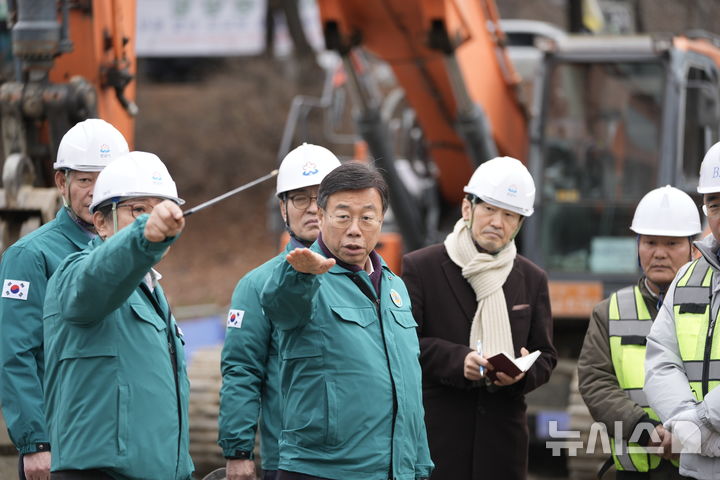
(616, 118)
(613, 118)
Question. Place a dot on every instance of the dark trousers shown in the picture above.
(270, 475)
(80, 475)
(21, 468)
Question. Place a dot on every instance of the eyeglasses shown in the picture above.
(365, 222)
(302, 201)
(508, 218)
(712, 210)
(137, 209)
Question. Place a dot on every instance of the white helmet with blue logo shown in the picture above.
(89, 146)
(137, 174)
(505, 183)
(710, 171)
(305, 166)
(666, 211)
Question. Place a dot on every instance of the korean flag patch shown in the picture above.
(17, 289)
(235, 318)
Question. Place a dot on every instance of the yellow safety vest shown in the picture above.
(697, 335)
(629, 325)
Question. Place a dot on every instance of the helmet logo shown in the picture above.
(716, 172)
(157, 177)
(104, 150)
(310, 168)
(512, 190)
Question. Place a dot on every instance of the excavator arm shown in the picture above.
(448, 56)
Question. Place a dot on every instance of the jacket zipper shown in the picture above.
(708, 349)
(376, 300)
(173, 361)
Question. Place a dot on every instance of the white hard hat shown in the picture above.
(710, 171)
(505, 183)
(89, 146)
(666, 211)
(137, 174)
(305, 166)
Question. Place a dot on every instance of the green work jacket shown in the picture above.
(25, 269)
(116, 388)
(250, 367)
(349, 375)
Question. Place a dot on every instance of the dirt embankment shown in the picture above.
(215, 135)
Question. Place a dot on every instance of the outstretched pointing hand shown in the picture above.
(305, 260)
(166, 220)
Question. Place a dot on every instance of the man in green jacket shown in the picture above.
(116, 387)
(26, 266)
(250, 355)
(350, 375)
(610, 367)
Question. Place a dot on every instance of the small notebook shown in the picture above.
(511, 366)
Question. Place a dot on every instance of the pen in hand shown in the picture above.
(479, 352)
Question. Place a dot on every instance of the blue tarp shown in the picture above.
(202, 332)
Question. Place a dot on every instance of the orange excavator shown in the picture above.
(611, 118)
(72, 60)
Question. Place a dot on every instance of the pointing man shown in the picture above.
(26, 266)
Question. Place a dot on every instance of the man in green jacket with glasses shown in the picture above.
(349, 372)
(116, 387)
(250, 364)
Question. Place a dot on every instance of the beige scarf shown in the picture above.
(486, 274)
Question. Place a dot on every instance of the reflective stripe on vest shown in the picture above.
(629, 324)
(698, 339)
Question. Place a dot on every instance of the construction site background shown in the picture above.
(220, 125)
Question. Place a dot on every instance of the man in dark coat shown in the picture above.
(475, 293)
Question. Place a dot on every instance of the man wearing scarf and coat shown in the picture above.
(476, 288)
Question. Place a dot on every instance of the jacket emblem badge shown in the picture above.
(396, 298)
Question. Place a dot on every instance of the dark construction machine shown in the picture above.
(72, 60)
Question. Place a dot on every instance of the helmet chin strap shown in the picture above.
(473, 203)
(115, 217)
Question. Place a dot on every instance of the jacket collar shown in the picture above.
(651, 300)
(460, 288)
(708, 248)
(294, 243)
(464, 293)
(74, 232)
